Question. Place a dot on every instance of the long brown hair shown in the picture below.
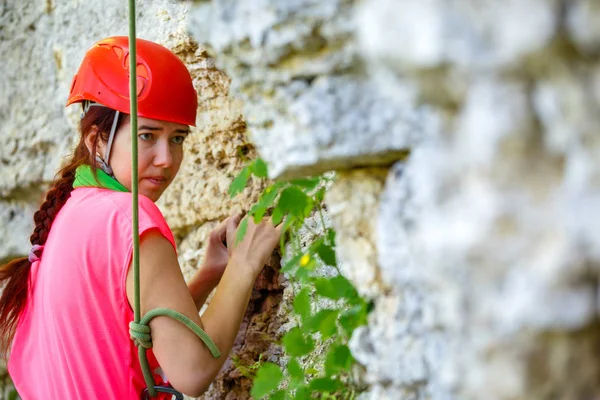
(14, 276)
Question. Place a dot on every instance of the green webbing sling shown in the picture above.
(139, 328)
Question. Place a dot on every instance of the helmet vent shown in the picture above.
(118, 52)
(142, 71)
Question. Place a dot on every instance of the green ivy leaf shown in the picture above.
(302, 394)
(303, 274)
(320, 195)
(264, 202)
(277, 215)
(326, 253)
(296, 373)
(325, 385)
(306, 183)
(296, 344)
(302, 304)
(338, 359)
(241, 231)
(353, 318)
(324, 321)
(330, 236)
(257, 213)
(343, 287)
(259, 168)
(278, 395)
(295, 202)
(239, 183)
(337, 288)
(325, 288)
(328, 326)
(267, 379)
(286, 225)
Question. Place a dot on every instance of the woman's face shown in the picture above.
(160, 152)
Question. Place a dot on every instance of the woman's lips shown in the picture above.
(156, 180)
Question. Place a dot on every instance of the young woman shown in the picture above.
(65, 309)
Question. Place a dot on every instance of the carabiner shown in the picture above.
(162, 389)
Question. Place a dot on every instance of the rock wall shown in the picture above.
(465, 138)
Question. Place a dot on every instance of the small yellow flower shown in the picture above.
(304, 260)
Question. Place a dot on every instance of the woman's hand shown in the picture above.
(252, 253)
(216, 255)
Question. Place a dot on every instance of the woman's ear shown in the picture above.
(91, 138)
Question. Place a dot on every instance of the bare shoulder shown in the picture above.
(160, 275)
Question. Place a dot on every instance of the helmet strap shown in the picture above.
(85, 106)
(104, 164)
(111, 137)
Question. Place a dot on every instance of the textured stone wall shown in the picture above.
(480, 248)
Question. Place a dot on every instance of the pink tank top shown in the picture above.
(72, 340)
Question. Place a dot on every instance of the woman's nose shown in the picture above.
(163, 157)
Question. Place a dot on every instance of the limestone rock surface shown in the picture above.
(296, 68)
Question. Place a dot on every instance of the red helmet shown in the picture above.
(164, 85)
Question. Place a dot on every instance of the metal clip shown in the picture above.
(162, 389)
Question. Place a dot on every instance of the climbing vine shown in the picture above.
(319, 362)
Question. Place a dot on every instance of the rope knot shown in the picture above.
(140, 334)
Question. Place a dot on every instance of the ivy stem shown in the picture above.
(320, 208)
(311, 230)
(296, 239)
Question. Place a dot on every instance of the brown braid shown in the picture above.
(55, 199)
(15, 274)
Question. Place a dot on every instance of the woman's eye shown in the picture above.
(178, 139)
(145, 136)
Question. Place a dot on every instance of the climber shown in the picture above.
(65, 309)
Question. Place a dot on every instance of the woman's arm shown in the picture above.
(184, 358)
(200, 287)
